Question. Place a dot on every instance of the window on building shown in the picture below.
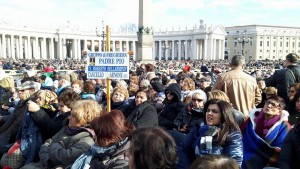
(287, 44)
(287, 38)
(268, 37)
(250, 43)
(225, 44)
(280, 51)
(235, 44)
(273, 57)
(261, 37)
(268, 43)
(273, 51)
(286, 51)
(260, 51)
(280, 43)
(260, 43)
(274, 44)
(260, 57)
(293, 44)
(267, 51)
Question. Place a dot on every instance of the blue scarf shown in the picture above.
(85, 159)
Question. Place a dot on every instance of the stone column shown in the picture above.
(186, 50)
(12, 45)
(29, 48)
(173, 49)
(179, 49)
(75, 49)
(205, 49)
(3, 46)
(92, 45)
(9, 47)
(127, 46)
(51, 48)
(79, 49)
(160, 50)
(21, 47)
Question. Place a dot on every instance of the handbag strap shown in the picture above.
(293, 75)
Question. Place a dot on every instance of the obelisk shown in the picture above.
(145, 32)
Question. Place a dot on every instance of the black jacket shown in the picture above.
(290, 151)
(143, 115)
(172, 108)
(282, 79)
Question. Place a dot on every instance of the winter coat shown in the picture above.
(282, 80)
(62, 149)
(143, 115)
(232, 148)
(290, 150)
(49, 122)
(172, 108)
(258, 152)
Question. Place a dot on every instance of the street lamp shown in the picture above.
(243, 41)
(165, 51)
(102, 34)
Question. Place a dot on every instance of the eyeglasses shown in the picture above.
(273, 104)
(198, 100)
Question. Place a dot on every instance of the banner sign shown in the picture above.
(113, 65)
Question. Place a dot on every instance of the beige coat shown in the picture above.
(241, 88)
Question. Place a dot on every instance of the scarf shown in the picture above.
(62, 87)
(83, 162)
(205, 140)
(263, 125)
(71, 131)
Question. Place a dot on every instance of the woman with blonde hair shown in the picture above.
(110, 148)
(72, 140)
(188, 85)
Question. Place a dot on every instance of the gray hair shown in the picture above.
(237, 60)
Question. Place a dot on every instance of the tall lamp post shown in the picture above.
(243, 41)
(165, 51)
(102, 34)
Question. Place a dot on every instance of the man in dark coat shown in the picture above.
(10, 128)
(282, 79)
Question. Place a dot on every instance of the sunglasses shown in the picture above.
(198, 100)
(171, 93)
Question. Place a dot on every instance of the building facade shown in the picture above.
(260, 42)
(20, 42)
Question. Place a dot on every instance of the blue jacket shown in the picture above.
(186, 150)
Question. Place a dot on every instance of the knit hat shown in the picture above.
(158, 87)
(187, 68)
(7, 83)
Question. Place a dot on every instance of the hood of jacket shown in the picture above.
(175, 88)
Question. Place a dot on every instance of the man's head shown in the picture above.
(237, 61)
(290, 59)
(27, 89)
(204, 82)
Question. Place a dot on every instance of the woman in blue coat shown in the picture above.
(218, 133)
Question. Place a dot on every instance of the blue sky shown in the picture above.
(166, 13)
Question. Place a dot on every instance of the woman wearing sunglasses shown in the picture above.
(263, 134)
(173, 105)
(217, 133)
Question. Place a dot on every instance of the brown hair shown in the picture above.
(191, 83)
(111, 128)
(89, 87)
(228, 123)
(210, 161)
(149, 67)
(68, 98)
(218, 94)
(79, 82)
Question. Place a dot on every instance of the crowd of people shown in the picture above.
(170, 114)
